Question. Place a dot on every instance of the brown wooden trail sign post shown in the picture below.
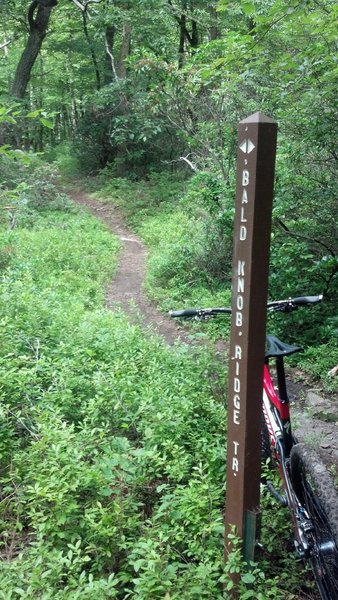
(257, 137)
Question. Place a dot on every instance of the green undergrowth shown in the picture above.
(112, 445)
(188, 229)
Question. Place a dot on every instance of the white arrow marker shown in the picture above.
(247, 146)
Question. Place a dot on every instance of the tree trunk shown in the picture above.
(91, 49)
(122, 147)
(194, 39)
(125, 50)
(38, 25)
(183, 29)
(214, 32)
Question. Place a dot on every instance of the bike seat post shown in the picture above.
(284, 398)
(283, 395)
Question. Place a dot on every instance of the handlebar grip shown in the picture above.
(187, 313)
(303, 300)
(281, 305)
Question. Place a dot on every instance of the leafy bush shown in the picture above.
(210, 200)
(66, 160)
(140, 199)
(29, 190)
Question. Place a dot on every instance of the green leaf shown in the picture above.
(248, 594)
(138, 564)
(107, 491)
(248, 578)
(61, 519)
(248, 8)
(47, 123)
(33, 114)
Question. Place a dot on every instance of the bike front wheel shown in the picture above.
(317, 494)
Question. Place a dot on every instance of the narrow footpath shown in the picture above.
(125, 291)
(316, 416)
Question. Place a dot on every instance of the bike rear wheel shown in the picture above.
(317, 494)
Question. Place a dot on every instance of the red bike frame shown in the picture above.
(276, 411)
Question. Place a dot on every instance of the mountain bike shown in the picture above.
(308, 490)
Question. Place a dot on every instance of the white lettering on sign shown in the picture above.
(239, 319)
(245, 177)
(240, 291)
(242, 233)
(240, 285)
(235, 461)
(236, 417)
(245, 181)
(236, 400)
(240, 268)
(235, 465)
(239, 304)
(243, 219)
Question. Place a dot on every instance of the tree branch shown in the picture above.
(5, 44)
(79, 5)
(191, 165)
(303, 237)
(30, 14)
(110, 54)
(85, 5)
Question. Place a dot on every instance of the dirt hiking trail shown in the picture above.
(126, 289)
(316, 417)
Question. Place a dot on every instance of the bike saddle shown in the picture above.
(275, 347)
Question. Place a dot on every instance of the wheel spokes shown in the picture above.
(324, 551)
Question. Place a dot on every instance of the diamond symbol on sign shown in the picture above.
(247, 146)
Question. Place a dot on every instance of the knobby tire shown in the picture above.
(317, 494)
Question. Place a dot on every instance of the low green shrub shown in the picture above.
(67, 161)
(318, 361)
(28, 191)
(139, 199)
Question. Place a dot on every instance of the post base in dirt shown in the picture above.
(257, 137)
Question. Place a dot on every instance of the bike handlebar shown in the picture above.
(278, 305)
(188, 313)
(295, 302)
